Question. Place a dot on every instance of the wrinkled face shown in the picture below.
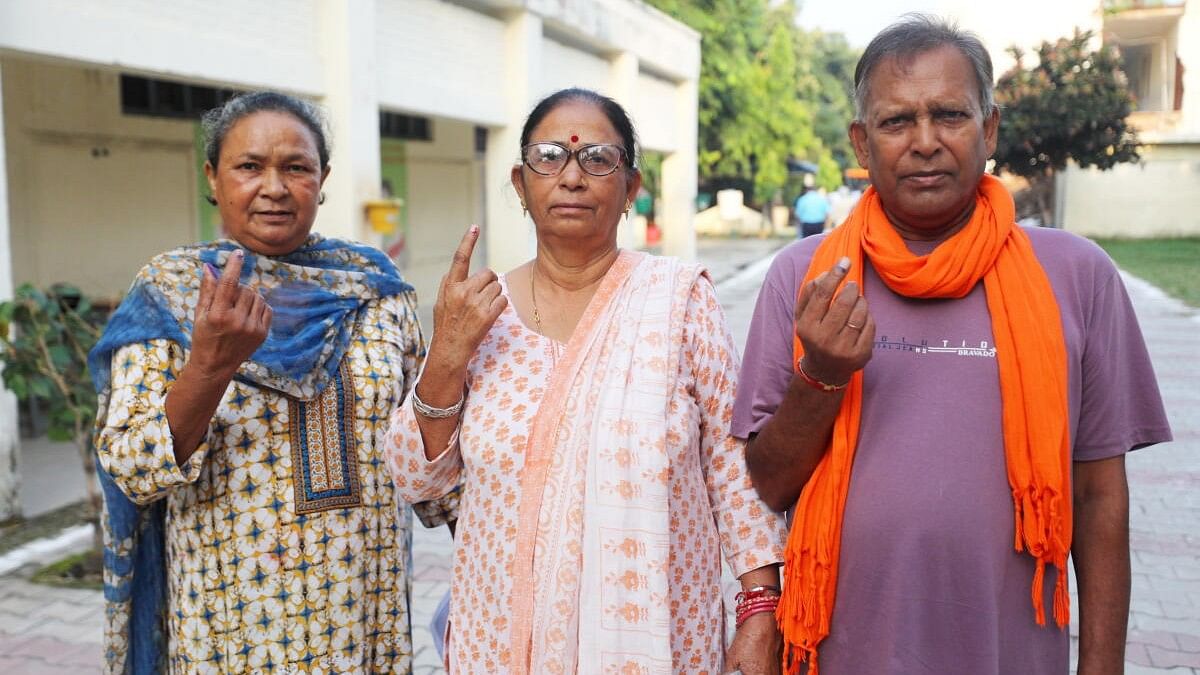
(574, 204)
(925, 140)
(267, 182)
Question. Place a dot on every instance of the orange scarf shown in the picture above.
(1033, 392)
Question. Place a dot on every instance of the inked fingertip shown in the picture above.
(844, 264)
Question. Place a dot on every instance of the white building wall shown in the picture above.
(440, 59)
(265, 43)
(93, 193)
(444, 195)
(620, 26)
(1158, 198)
(659, 132)
(565, 66)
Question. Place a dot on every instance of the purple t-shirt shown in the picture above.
(928, 580)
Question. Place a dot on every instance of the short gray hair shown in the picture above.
(218, 121)
(915, 34)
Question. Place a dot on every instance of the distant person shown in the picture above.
(946, 399)
(841, 203)
(583, 400)
(812, 210)
(250, 523)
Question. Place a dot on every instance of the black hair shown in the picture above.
(218, 121)
(612, 110)
(914, 34)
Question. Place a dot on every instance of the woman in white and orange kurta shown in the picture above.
(600, 483)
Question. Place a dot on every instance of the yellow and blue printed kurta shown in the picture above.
(286, 548)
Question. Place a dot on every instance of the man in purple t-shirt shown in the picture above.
(928, 580)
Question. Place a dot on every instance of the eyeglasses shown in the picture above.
(549, 159)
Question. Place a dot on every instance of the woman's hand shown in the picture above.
(757, 647)
(837, 332)
(465, 310)
(231, 321)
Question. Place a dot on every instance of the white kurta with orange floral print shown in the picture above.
(712, 508)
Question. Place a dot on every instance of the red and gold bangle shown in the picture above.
(814, 382)
(760, 606)
(756, 600)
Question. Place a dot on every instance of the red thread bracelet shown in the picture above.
(814, 382)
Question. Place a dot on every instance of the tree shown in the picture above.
(828, 62)
(45, 337)
(751, 115)
(1073, 105)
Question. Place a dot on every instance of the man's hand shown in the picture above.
(837, 331)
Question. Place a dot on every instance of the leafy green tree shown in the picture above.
(45, 337)
(828, 80)
(1073, 105)
(752, 116)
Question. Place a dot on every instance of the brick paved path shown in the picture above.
(47, 630)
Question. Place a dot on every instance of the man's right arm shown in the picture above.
(784, 453)
(837, 333)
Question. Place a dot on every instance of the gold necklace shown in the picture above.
(537, 317)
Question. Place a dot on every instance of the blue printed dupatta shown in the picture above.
(316, 293)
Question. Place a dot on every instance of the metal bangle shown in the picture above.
(426, 410)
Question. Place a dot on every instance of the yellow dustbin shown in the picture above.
(384, 215)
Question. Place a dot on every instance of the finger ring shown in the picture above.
(853, 325)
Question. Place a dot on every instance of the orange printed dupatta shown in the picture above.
(1032, 360)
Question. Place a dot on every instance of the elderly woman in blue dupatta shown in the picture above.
(245, 388)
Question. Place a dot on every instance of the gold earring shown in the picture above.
(524, 211)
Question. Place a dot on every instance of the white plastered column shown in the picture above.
(507, 235)
(622, 87)
(679, 177)
(10, 504)
(352, 102)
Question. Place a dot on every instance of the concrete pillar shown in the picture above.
(508, 237)
(10, 505)
(679, 177)
(622, 87)
(347, 47)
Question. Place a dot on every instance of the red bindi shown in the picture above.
(574, 138)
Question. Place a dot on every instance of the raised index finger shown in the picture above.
(460, 265)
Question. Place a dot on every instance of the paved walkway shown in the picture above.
(47, 630)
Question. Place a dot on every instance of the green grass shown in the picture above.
(1171, 264)
(81, 570)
